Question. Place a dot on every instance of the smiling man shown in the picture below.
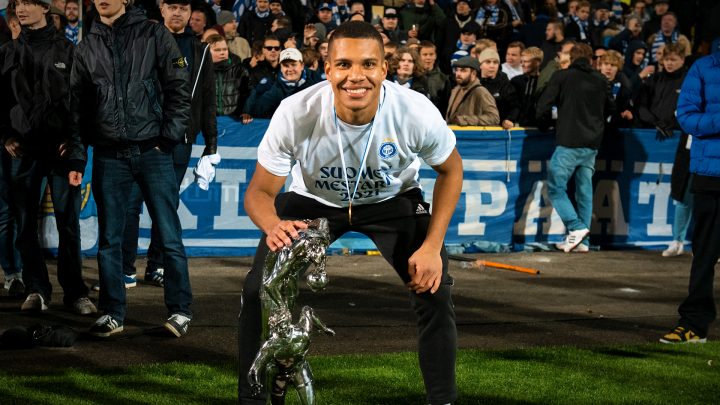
(356, 140)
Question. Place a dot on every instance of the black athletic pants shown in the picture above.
(698, 309)
(398, 228)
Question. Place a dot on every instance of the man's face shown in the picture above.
(390, 23)
(230, 29)
(512, 56)
(462, 8)
(489, 68)
(323, 49)
(176, 16)
(72, 12)
(564, 60)
(468, 38)
(219, 51)
(491, 2)
(419, 3)
(30, 14)
(428, 56)
(672, 62)
(668, 24)
(572, 7)
(608, 70)
(291, 70)
(634, 26)
(596, 56)
(357, 8)
(356, 69)
(109, 8)
(271, 50)
(661, 8)
(198, 21)
(639, 8)
(583, 13)
(529, 64)
(262, 5)
(550, 32)
(324, 15)
(638, 56)
(406, 64)
(602, 15)
(464, 76)
(276, 8)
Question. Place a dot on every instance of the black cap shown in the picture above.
(470, 28)
(324, 6)
(601, 5)
(390, 13)
(468, 62)
(177, 1)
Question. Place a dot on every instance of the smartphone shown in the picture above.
(414, 27)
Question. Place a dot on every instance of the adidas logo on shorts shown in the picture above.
(420, 210)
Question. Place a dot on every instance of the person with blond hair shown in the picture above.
(526, 84)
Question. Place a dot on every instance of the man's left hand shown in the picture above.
(425, 270)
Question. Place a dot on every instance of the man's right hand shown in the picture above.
(75, 178)
(283, 233)
(12, 145)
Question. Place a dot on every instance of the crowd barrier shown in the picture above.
(504, 196)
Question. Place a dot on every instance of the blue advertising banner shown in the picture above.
(504, 198)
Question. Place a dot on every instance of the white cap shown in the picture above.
(291, 54)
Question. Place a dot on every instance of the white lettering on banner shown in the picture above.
(661, 198)
(608, 209)
(230, 180)
(538, 209)
(474, 207)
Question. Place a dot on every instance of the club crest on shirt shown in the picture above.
(387, 149)
(180, 63)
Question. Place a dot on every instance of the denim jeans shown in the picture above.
(9, 255)
(683, 215)
(565, 163)
(181, 159)
(117, 174)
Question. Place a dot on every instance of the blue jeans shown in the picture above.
(9, 255)
(565, 163)
(117, 175)
(181, 159)
(683, 215)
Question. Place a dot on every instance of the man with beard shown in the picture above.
(72, 13)
(554, 38)
(470, 103)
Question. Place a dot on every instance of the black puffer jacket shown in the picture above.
(35, 77)
(584, 100)
(129, 85)
(231, 86)
(506, 99)
(658, 99)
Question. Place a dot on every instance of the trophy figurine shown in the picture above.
(282, 354)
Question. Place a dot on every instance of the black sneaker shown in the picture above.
(177, 324)
(682, 334)
(105, 326)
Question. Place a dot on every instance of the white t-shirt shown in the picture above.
(302, 139)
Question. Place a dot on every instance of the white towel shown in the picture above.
(205, 170)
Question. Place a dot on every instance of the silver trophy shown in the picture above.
(282, 354)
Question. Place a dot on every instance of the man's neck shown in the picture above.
(111, 19)
(514, 67)
(403, 77)
(73, 25)
(488, 76)
(360, 117)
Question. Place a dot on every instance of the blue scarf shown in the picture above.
(263, 14)
(488, 15)
(72, 33)
(583, 27)
(407, 84)
(340, 14)
(661, 40)
(463, 47)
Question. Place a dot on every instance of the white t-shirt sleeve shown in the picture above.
(275, 152)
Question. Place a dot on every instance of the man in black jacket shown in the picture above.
(176, 14)
(35, 70)
(131, 101)
(583, 99)
(255, 24)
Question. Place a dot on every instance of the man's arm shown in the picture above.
(175, 85)
(260, 207)
(209, 103)
(425, 265)
(548, 98)
(74, 150)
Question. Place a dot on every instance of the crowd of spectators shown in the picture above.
(519, 44)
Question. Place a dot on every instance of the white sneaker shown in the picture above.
(581, 248)
(674, 249)
(573, 239)
(34, 302)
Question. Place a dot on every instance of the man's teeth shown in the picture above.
(356, 91)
